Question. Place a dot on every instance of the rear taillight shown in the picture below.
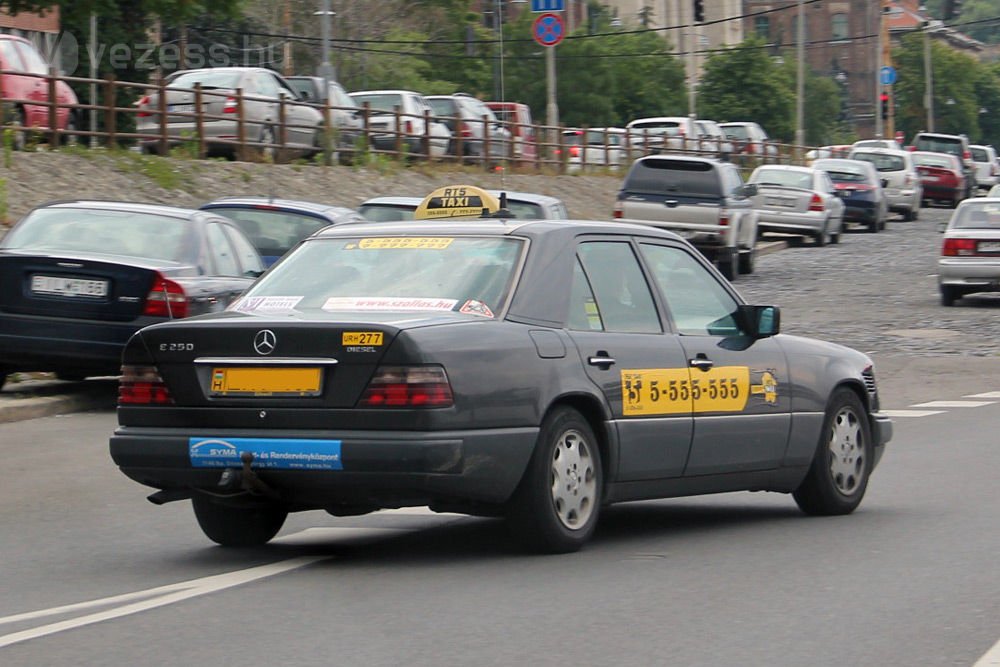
(408, 387)
(574, 151)
(958, 248)
(408, 127)
(724, 223)
(166, 299)
(966, 155)
(143, 103)
(229, 106)
(750, 147)
(142, 385)
(816, 203)
(618, 210)
(464, 130)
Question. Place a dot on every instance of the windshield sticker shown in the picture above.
(665, 391)
(473, 307)
(266, 304)
(403, 243)
(283, 454)
(388, 303)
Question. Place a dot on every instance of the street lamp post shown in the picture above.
(800, 77)
(325, 69)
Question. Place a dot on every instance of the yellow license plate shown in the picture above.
(362, 338)
(266, 381)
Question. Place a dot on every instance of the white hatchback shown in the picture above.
(904, 189)
(987, 169)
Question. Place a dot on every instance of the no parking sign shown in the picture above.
(548, 29)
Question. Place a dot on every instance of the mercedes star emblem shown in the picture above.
(264, 341)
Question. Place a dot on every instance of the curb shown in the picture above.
(46, 399)
(770, 246)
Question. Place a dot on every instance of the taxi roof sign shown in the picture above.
(456, 201)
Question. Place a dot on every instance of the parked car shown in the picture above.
(797, 200)
(861, 189)
(952, 144)
(275, 226)
(904, 187)
(941, 176)
(595, 148)
(891, 144)
(264, 93)
(403, 113)
(345, 114)
(23, 67)
(970, 252)
(713, 140)
(662, 134)
(78, 278)
(987, 167)
(516, 119)
(475, 123)
(531, 370)
(524, 206)
(821, 152)
(749, 138)
(702, 199)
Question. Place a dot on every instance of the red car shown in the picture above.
(942, 177)
(516, 117)
(20, 62)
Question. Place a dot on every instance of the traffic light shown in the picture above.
(699, 11)
(885, 106)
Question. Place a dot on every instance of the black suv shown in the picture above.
(952, 144)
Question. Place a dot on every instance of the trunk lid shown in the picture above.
(77, 286)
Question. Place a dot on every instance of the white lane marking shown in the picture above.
(991, 658)
(162, 595)
(988, 394)
(953, 404)
(910, 413)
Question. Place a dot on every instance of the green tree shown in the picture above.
(744, 83)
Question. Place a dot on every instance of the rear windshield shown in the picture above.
(524, 210)
(978, 216)
(934, 161)
(272, 232)
(405, 273)
(144, 235)
(386, 212)
(380, 102)
(304, 86)
(881, 162)
(208, 78)
(847, 176)
(736, 132)
(980, 155)
(940, 145)
(657, 128)
(786, 177)
(679, 177)
(443, 107)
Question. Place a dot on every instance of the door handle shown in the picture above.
(601, 360)
(701, 363)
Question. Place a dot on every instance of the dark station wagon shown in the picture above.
(535, 370)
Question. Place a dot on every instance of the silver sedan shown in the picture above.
(797, 200)
(970, 253)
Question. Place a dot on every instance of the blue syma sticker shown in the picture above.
(272, 453)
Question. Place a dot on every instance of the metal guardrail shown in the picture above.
(119, 125)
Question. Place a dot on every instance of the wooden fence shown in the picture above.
(248, 127)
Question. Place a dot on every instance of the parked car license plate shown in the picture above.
(68, 286)
(989, 246)
(783, 202)
(266, 381)
(180, 108)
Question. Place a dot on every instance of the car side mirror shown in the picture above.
(761, 321)
(304, 95)
(885, 182)
(746, 190)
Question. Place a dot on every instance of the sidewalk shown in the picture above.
(31, 399)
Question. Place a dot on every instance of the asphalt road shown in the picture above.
(736, 579)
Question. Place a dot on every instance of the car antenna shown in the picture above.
(503, 212)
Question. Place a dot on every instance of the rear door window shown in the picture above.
(679, 177)
(624, 301)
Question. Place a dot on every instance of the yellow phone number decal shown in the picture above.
(406, 243)
(665, 391)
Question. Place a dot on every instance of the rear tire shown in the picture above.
(873, 226)
(232, 526)
(727, 263)
(838, 476)
(556, 506)
(819, 240)
(949, 295)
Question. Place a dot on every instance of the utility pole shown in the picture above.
(890, 130)
(800, 86)
(928, 77)
(288, 67)
(877, 103)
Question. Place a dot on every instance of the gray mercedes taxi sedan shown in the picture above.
(535, 370)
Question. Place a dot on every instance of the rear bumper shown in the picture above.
(860, 212)
(52, 344)
(375, 468)
(971, 271)
(772, 221)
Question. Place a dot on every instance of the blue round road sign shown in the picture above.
(548, 29)
(887, 75)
